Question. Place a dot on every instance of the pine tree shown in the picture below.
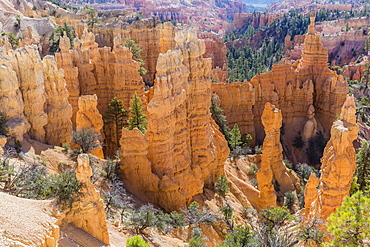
(222, 186)
(136, 54)
(137, 119)
(116, 115)
(363, 166)
(350, 224)
(235, 137)
(93, 17)
(55, 35)
(220, 119)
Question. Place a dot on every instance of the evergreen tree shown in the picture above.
(92, 17)
(136, 53)
(366, 78)
(235, 137)
(220, 119)
(116, 115)
(350, 224)
(137, 119)
(55, 35)
(363, 166)
(222, 186)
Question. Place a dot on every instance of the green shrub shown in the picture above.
(88, 139)
(3, 127)
(136, 241)
(289, 199)
(239, 237)
(252, 170)
(196, 238)
(222, 186)
(64, 186)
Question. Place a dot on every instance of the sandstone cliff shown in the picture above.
(88, 117)
(87, 211)
(293, 88)
(182, 151)
(152, 36)
(273, 171)
(34, 96)
(106, 72)
(338, 164)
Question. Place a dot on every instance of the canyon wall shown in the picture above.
(34, 95)
(106, 72)
(338, 165)
(292, 87)
(182, 150)
(152, 36)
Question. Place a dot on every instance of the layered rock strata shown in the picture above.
(88, 117)
(59, 125)
(106, 72)
(273, 171)
(152, 36)
(34, 96)
(87, 211)
(293, 88)
(182, 151)
(338, 164)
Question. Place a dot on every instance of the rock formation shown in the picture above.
(88, 117)
(338, 164)
(34, 96)
(87, 212)
(310, 192)
(11, 101)
(293, 88)
(182, 147)
(273, 170)
(29, 69)
(59, 126)
(102, 71)
(152, 36)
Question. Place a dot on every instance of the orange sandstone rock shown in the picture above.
(59, 127)
(11, 101)
(87, 212)
(88, 117)
(293, 88)
(310, 192)
(338, 163)
(102, 71)
(182, 147)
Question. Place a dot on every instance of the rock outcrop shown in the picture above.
(338, 164)
(102, 71)
(182, 150)
(34, 96)
(87, 212)
(293, 88)
(152, 36)
(29, 69)
(273, 171)
(59, 125)
(88, 117)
